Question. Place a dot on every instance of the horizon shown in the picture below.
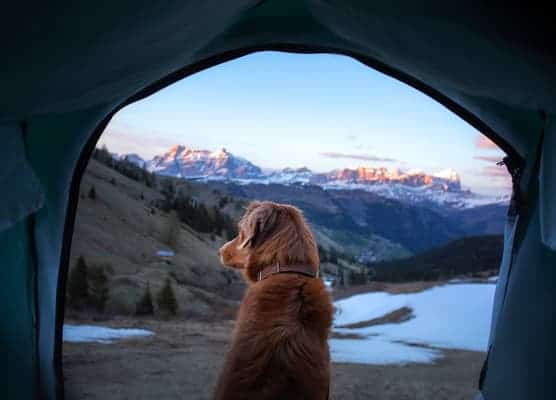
(323, 112)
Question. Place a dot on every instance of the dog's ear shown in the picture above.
(260, 220)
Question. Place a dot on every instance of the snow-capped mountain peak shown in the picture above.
(182, 161)
(449, 174)
(222, 153)
(414, 186)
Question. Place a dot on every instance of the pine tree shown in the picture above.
(98, 288)
(145, 304)
(92, 193)
(171, 232)
(333, 256)
(78, 285)
(166, 299)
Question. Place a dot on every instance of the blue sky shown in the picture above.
(320, 111)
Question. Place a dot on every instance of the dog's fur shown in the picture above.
(279, 349)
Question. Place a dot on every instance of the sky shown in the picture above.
(320, 111)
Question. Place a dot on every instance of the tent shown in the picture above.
(67, 67)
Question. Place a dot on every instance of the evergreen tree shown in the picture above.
(145, 304)
(171, 232)
(166, 299)
(323, 257)
(78, 285)
(92, 193)
(333, 256)
(98, 288)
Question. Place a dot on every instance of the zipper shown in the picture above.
(514, 165)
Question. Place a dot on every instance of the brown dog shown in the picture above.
(279, 349)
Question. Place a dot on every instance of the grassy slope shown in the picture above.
(118, 228)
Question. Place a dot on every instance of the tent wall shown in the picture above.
(68, 67)
(547, 189)
(18, 373)
(55, 144)
(520, 364)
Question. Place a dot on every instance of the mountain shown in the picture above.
(447, 180)
(442, 189)
(139, 236)
(369, 226)
(181, 161)
(373, 214)
(134, 158)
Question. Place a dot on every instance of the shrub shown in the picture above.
(166, 299)
(98, 288)
(145, 305)
(78, 285)
(358, 278)
(92, 193)
(171, 231)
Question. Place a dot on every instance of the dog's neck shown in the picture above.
(302, 269)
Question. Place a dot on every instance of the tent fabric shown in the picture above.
(54, 143)
(23, 194)
(520, 362)
(67, 68)
(548, 187)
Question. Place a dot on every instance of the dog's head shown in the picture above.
(270, 233)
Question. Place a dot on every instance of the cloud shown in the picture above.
(123, 138)
(362, 157)
(482, 142)
(351, 138)
(495, 171)
(490, 159)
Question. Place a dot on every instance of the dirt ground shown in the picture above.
(182, 361)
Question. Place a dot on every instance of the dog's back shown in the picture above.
(280, 348)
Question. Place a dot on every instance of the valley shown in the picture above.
(129, 218)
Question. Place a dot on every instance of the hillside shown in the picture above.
(127, 215)
(120, 230)
(130, 217)
(372, 214)
(477, 256)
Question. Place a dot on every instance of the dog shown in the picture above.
(279, 348)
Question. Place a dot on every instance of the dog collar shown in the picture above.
(279, 269)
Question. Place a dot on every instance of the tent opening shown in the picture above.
(406, 202)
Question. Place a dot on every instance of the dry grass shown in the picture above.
(394, 317)
(121, 228)
(184, 358)
(392, 288)
(341, 335)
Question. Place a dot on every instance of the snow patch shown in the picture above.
(100, 334)
(165, 253)
(450, 316)
(379, 351)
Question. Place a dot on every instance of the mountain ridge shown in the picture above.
(441, 189)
